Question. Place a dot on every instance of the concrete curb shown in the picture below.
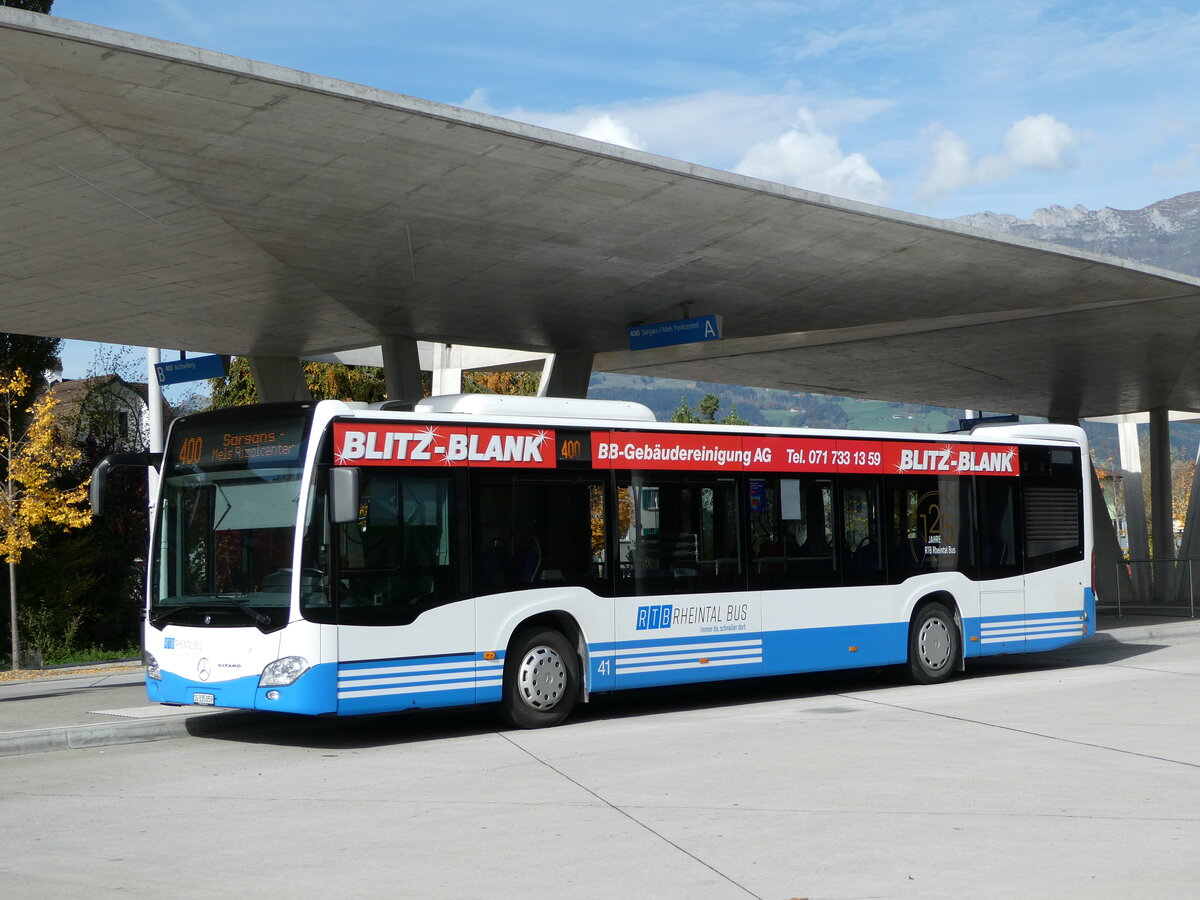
(107, 734)
(1116, 630)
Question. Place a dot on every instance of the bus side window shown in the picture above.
(682, 535)
(396, 560)
(532, 531)
(1051, 507)
(861, 539)
(997, 512)
(928, 525)
(792, 532)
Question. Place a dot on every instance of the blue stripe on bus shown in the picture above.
(661, 661)
(1029, 632)
(835, 647)
(674, 660)
(423, 682)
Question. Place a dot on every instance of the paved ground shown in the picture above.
(1074, 774)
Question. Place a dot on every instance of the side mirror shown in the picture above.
(99, 483)
(343, 494)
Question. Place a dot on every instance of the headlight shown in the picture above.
(152, 669)
(283, 671)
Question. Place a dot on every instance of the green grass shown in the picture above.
(93, 654)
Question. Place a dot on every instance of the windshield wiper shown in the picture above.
(228, 505)
(232, 600)
(223, 601)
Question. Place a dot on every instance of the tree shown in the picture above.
(705, 412)
(487, 382)
(87, 585)
(32, 355)
(235, 389)
(38, 6)
(326, 381)
(29, 496)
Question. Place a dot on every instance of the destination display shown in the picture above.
(362, 444)
(257, 443)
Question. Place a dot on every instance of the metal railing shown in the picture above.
(1161, 585)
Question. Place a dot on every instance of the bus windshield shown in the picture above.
(227, 521)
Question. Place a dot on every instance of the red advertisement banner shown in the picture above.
(376, 444)
(911, 458)
(362, 444)
(752, 453)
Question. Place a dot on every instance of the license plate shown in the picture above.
(204, 699)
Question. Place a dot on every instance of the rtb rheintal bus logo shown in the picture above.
(649, 617)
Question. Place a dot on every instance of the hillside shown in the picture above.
(761, 406)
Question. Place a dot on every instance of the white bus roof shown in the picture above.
(539, 407)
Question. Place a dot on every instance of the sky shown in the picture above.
(941, 107)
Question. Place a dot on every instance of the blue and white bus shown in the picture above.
(524, 552)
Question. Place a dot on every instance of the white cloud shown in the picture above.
(1038, 142)
(775, 136)
(611, 130)
(478, 101)
(815, 162)
(949, 163)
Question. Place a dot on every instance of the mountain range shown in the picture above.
(1165, 234)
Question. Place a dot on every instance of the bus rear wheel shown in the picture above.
(933, 645)
(541, 679)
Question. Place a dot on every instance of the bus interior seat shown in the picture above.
(527, 560)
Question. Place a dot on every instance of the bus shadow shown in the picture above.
(353, 733)
(1095, 651)
(395, 729)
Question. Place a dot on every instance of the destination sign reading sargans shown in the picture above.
(363, 444)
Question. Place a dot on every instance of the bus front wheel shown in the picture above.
(933, 645)
(541, 679)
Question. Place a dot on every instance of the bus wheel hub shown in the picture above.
(935, 644)
(541, 678)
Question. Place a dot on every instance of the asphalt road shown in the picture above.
(1074, 774)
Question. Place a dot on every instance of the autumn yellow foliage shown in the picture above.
(33, 460)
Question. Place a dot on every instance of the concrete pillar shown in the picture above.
(154, 424)
(446, 376)
(1162, 521)
(1135, 506)
(566, 375)
(401, 367)
(278, 378)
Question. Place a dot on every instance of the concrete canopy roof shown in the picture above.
(157, 194)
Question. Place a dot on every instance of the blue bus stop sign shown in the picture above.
(197, 368)
(681, 331)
